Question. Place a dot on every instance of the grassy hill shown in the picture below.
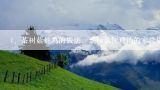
(57, 79)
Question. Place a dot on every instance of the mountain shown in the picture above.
(106, 26)
(135, 69)
(109, 27)
(154, 28)
(131, 67)
(144, 75)
(57, 79)
(124, 75)
(81, 32)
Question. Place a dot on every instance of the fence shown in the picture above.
(22, 78)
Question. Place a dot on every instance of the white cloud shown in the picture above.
(131, 53)
(130, 56)
(46, 14)
(156, 21)
(120, 56)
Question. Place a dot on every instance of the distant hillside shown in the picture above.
(140, 76)
(57, 79)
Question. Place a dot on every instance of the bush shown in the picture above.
(61, 60)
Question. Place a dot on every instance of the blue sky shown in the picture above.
(46, 14)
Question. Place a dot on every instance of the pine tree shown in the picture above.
(61, 60)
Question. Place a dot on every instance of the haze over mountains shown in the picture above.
(129, 66)
(120, 64)
(127, 69)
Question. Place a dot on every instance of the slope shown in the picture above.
(57, 79)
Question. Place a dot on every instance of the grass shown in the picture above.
(57, 79)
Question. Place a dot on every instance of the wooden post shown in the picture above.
(13, 77)
(19, 75)
(5, 77)
(48, 67)
(24, 78)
